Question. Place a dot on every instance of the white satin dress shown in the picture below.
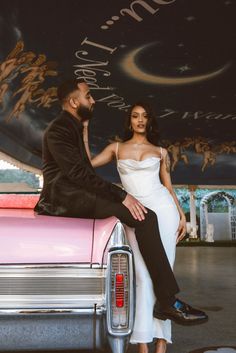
(141, 180)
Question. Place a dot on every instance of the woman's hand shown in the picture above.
(182, 229)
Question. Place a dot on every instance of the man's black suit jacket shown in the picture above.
(70, 183)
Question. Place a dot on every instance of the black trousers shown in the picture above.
(150, 245)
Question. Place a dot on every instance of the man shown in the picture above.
(71, 188)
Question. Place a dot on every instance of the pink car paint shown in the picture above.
(18, 200)
(26, 237)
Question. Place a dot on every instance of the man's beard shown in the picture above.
(84, 113)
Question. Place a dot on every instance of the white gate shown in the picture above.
(224, 224)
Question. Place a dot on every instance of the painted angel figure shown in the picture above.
(200, 143)
(228, 147)
(37, 71)
(25, 98)
(177, 153)
(11, 67)
(46, 98)
(209, 157)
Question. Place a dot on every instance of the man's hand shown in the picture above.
(135, 207)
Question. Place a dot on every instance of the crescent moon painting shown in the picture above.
(131, 68)
(177, 56)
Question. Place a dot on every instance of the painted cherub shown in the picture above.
(209, 157)
(25, 98)
(227, 147)
(46, 98)
(11, 68)
(177, 153)
(39, 70)
(200, 143)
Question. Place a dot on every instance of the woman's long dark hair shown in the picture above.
(152, 128)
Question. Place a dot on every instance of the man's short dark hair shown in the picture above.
(66, 88)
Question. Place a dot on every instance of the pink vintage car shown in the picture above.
(65, 283)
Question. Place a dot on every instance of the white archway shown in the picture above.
(231, 201)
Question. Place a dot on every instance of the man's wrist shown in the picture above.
(123, 195)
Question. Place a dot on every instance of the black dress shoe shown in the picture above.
(181, 313)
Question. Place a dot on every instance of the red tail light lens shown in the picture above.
(120, 292)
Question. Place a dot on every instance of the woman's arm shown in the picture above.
(85, 138)
(166, 181)
(104, 157)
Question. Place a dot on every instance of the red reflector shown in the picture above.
(119, 290)
(119, 278)
(119, 303)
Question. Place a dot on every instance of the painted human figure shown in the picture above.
(177, 153)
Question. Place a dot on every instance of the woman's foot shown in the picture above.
(160, 346)
(142, 348)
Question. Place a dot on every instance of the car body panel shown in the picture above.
(58, 273)
(45, 239)
(30, 238)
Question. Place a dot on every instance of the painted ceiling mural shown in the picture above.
(179, 55)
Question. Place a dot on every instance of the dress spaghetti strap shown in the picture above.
(161, 153)
(117, 150)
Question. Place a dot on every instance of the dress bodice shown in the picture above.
(140, 178)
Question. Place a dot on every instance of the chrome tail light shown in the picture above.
(120, 291)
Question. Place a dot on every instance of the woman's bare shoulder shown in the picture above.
(112, 146)
(164, 150)
(161, 151)
(116, 145)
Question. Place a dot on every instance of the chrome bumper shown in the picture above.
(42, 330)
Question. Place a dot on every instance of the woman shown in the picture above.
(144, 169)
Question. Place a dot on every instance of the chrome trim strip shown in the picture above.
(71, 265)
(51, 306)
(96, 265)
(22, 311)
(52, 272)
